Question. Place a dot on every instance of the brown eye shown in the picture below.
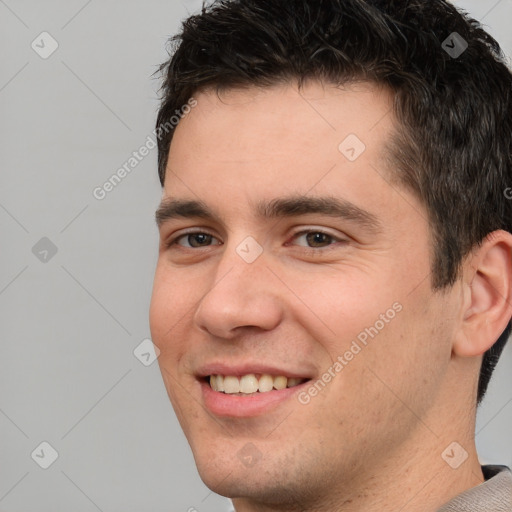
(315, 239)
(193, 240)
(199, 239)
(318, 239)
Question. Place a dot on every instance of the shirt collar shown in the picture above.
(494, 494)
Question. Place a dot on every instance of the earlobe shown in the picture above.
(487, 281)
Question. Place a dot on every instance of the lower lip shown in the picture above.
(235, 406)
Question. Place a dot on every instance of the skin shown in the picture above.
(373, 437)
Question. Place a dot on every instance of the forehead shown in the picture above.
(256, 143)
(285, 117)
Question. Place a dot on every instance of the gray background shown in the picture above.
(70, 324)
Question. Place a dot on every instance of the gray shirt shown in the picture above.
(493, 495)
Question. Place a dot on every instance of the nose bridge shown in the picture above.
(241, 264)
(241, 294)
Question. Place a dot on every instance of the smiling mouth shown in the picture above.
(251, 383)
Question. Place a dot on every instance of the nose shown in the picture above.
(241, 295)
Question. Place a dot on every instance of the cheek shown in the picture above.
(345, 306)
(410, 356)
(373, 321)
(167, 311)
(169, 305)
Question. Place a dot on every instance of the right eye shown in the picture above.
(192, 240)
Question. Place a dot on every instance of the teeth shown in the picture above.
(220, 383)
(280, 382)
(231, 385)
(250, 383)
(266, 383)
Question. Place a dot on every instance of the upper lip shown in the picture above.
(239, 369)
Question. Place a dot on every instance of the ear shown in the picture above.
(487, 291)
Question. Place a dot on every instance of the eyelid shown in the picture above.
(171, 240)
(313, 229)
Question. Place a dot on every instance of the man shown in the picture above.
(335, 265)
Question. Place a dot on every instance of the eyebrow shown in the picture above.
(293, 206)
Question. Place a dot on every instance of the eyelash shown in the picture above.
(174, 241)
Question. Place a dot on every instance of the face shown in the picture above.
(295, 271)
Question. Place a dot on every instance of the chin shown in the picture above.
(262, 479)
(252, 484)
(223, 469)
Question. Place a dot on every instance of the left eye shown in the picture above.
(316, 239)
